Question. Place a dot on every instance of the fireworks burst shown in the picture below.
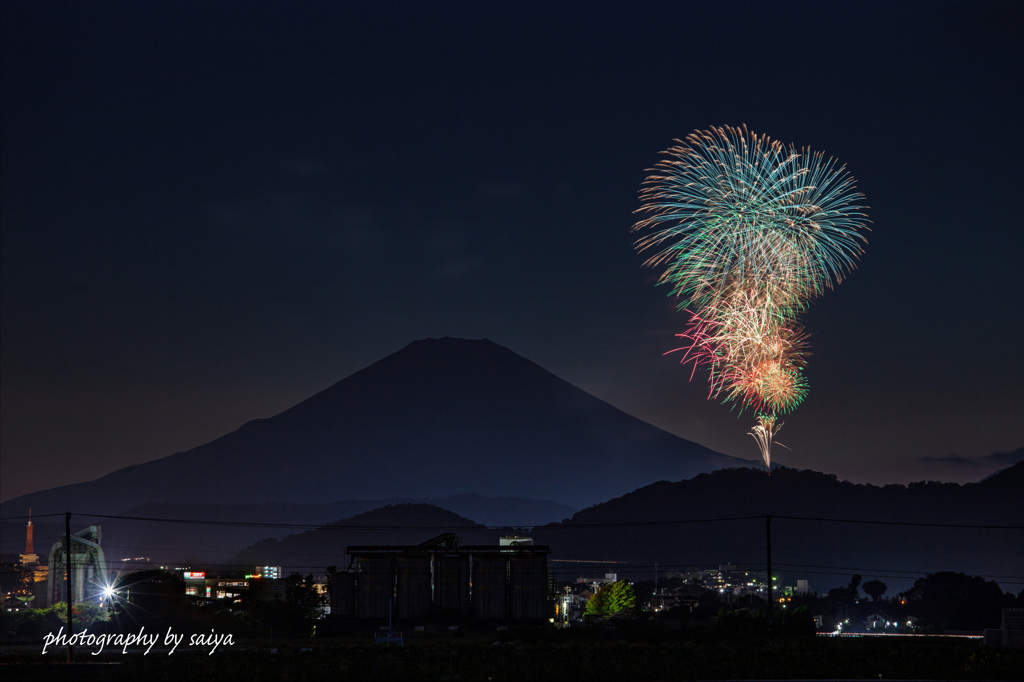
(748, 231)
(763, 432)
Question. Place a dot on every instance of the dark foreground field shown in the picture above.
(560, 658)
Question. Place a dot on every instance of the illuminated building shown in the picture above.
(514, 540)
(271, 572)
(234, 585)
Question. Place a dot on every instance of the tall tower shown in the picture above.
(32, 572)
(29, 557)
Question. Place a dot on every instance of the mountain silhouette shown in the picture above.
(439, 418)
(823, 529)
(401, 524)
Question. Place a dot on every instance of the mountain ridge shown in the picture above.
(820, 527)
(440, 417)
(823, 529)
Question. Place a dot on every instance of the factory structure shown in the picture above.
(43, 581)
(441, 579)
(88, 567)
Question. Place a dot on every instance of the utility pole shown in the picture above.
(67, 577)
(771, 599)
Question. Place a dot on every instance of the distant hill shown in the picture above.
(403, 524)
(823, 529)
(441, 417)
(206, 534)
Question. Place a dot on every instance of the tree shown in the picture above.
(874, 589)
(621, 596)
(852, 589)
(302, 593)
(610, 599)
(838, 595)
(954, 601)
(597, 605)
(34, 624)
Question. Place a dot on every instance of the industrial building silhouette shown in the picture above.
(441, 579)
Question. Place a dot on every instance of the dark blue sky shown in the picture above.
(211, 211)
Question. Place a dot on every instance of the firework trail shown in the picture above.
(747, 232)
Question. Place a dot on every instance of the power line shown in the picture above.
(817, 569)
(898, 523)
(535, 527)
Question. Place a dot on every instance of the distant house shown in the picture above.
(443, 579)
(876, 622)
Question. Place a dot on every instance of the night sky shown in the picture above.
(211, 211)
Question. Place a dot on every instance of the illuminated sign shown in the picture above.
(195, 575)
